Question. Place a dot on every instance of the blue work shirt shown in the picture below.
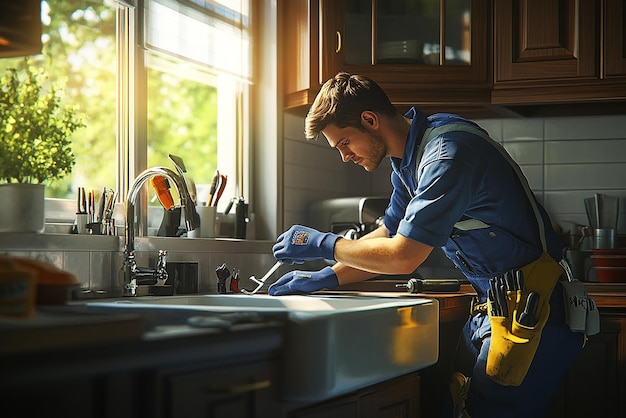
(463, 176)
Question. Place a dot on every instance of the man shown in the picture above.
(453, 188)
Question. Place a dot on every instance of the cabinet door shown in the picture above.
(341, 408)
(241, 391)
(410, 48)
(595, 384)
(398, 398)
(301, 79)
(546, 40)
(614, 38)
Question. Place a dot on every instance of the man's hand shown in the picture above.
(301, 243)
(298, 282)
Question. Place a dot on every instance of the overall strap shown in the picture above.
(432, 133)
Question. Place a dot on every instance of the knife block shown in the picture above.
(170, 223)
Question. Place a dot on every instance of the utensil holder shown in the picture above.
(604, 239)
(207, 223)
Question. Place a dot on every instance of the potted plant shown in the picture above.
(35, 145)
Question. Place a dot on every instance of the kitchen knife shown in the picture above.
(101, 204)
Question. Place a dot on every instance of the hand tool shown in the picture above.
(261, 281)
(495, 303)
(220, 189)
(81, 201)
(502, 297)
(222, 273)
(527, 317)
(101, 204)
(519, 279)
(92, 205)
(432, 285)
(162, 188)
(213, 187)
(234, 282)
(230, 205)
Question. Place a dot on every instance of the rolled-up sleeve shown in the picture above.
(447, 182)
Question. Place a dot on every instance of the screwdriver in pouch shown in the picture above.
(527, 317)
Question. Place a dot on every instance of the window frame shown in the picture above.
(132, 122)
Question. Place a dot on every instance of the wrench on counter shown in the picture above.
(262, 280)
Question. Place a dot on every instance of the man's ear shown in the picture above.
(369, 119)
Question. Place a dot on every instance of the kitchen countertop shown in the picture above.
(60, 327)
(68, 342)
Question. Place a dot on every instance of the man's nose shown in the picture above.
(346, 155)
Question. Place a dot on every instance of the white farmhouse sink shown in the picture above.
(334, 344)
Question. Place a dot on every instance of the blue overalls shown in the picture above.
(470, 202)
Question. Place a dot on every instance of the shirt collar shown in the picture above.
(414, 137)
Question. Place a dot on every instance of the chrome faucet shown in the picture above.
(131, 271)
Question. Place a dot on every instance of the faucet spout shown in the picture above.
(192, 220)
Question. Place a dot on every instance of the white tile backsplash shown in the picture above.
(586, 127)
(565, 159)
(525, 152)
(530, 129)
(590, 151)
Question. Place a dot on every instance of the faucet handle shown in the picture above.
(162, 260)
(161, 268)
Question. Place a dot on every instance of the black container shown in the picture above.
(241, 219)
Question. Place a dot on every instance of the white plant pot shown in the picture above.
(22, 207)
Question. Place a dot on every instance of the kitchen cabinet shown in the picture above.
(398, 44)
(596, 382)
(20, 28)
(242, 390)
(397, 398)
(559, 51)
(502, 58)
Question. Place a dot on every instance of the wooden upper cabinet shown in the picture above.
(540, 40)
(419, 51)
(509, 57)
(299, 20)
(558, 51)
(614, 39)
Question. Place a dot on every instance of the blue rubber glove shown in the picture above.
(301, 243)
(298, 282)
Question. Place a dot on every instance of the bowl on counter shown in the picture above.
(610, 265)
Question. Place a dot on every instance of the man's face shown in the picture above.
(363, 147)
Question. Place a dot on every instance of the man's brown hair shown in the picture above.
(341, 101)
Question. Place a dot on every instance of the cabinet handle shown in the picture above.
(338, 42)
(243, 388)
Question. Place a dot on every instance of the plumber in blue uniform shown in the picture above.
(454, 188)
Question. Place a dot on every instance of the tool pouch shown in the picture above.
(513, 345)
(581, 312)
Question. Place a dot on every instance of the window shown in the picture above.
(198, 72)
(193, 57)
(79, 39)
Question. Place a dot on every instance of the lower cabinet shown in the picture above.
(396, 398)
(595, 384)
(244, 391)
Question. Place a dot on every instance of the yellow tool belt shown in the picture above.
(513, 344)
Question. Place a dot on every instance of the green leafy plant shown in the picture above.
(35, 128)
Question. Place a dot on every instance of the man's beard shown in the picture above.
(377, 153)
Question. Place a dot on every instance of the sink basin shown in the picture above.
(334, 344)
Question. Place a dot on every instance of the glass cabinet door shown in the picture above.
(378, 32)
